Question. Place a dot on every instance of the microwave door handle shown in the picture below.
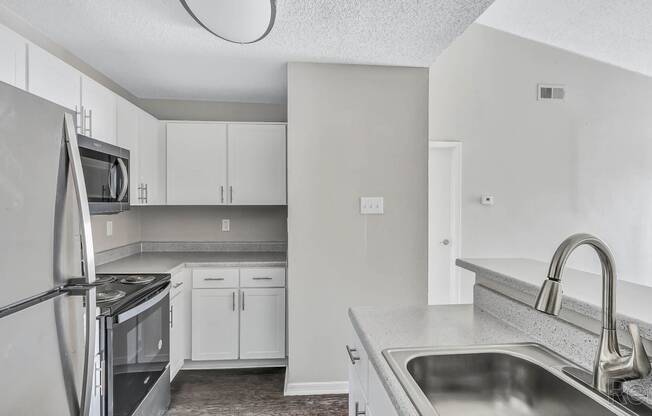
(113, 180)
(125, 179)
(89, 261)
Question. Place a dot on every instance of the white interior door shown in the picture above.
(196, 164)
(443, 220)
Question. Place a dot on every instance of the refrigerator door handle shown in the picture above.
(88, 258)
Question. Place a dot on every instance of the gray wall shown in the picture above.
(352, 131)
(213, 111)
(205, 223)
(555, 168)
(176, 223)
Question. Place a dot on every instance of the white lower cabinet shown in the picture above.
(177, 344)
(262, 323)
(367, 395)
(232, 321)
(215, 324)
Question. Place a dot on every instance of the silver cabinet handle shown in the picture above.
(172, 316)
(262, 278)
(231, 193)
(78, 120)
(359, 412)
(88, 129)
(222, 194)
(352, 357)
(233, 301)
(176, 285)
(243, 300)
(146, 194)
(213, 278)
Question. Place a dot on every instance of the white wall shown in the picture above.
(584, 164)
(352, 131)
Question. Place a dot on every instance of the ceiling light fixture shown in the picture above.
(237, 21)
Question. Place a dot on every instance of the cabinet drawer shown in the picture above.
(262, 277)
(214, 278)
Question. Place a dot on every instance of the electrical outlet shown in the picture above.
(109, 228)
(226, 225)
(372, 205)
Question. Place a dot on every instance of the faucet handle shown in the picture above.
(639, 359)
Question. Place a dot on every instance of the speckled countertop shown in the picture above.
(424, 326)
(168, 262)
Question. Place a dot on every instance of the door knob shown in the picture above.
(446, 241)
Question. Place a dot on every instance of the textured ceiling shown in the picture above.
(618, 32)
(155, 50)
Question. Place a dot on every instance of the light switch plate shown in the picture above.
(372, 205)
(109, 228)
(226, 225)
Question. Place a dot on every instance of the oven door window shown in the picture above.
(103, 176)
(140, 355)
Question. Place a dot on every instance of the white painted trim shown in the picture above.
(456, 210)
(309, 389)
(273, 123)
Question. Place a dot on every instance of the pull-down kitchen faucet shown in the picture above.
(610, 368)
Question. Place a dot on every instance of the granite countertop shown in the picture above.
(168, 262)
(424, 326)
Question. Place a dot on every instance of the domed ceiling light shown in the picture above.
(237, 21)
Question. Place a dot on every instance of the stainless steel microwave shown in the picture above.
(106, 173)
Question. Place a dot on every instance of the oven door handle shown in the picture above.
(142, 307)
(125, 179)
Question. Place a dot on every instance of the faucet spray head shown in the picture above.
(549, 299)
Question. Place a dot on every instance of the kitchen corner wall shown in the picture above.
(190, 223)
(352, 131)
(583, 164)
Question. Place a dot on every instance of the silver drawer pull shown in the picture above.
(352, 357)
(213, 278)
(176, 285)
(262, 278)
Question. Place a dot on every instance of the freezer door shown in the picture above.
(43, 355)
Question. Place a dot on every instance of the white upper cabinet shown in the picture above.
(212, 163)
(99, 107)
(257, 168)
(53, 79)
(127, 118)
(196, 164)
(12, 58)
(151, 158)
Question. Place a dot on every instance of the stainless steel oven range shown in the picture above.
(134, 341)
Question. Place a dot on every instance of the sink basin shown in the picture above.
(516, 379)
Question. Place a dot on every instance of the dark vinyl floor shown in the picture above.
(251, 392)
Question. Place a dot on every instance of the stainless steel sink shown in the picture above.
(515, 379)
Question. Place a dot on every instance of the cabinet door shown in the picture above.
(12, 58)
(357, 400)
(99, 106)
(214, 324)
(151, 156)
(53, 79)
(196, 164)
(257, 167)
(177, 332)
(127, 137)
(262, 323)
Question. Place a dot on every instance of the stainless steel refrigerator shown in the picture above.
(47, 301)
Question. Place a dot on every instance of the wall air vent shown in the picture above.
(551, 92)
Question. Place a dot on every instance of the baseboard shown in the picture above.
(309, 389)
(232, 364)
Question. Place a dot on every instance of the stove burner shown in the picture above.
(109, 295)
(137, 280)
(103, 280)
